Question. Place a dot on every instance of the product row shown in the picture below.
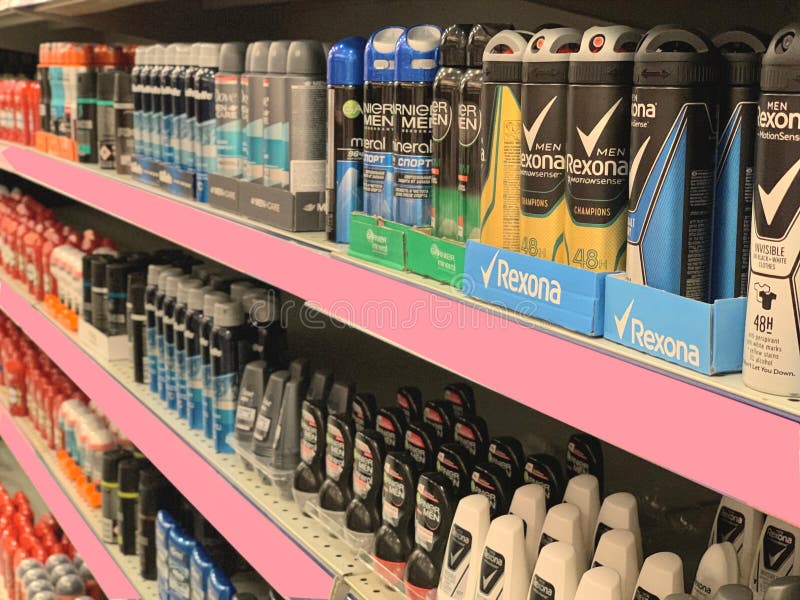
(141, 511)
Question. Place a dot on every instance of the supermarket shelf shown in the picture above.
(366, 586)
(116, 574)
(666, 414)
(285, 546)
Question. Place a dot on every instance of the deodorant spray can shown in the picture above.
(501, 133)
(228, 109)
(673, 140)
(445, 198)
(168, 91)
(105, 133)
(123, 123)
(183, 58)
(137, 89)
(470, 150)
(733, 202)
(379, 121)
(256, 65)
(205, 136)
(276, 120)
(772, 343)
(543, 142)
(188, 159)
(416, 62)
(153, 83)
(343, 188)
(598, 153)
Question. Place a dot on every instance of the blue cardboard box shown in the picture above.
(556, 293)
(708, 338)
(177, 181)
(145, 169)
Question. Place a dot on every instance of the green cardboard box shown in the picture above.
(378, 241)
(437, 258)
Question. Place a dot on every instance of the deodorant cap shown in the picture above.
(478, 39)
(662, 574)
(680, 596)
(185, 286)
(260, 305)
(671, 56)
(194, 54)
(157, 54)
(453, 47)
(208, 56)
(128, 474)
(163, 275)
(416, 56)
(153, 271)
(306, 57)
(547, 55)
(139, 55)
(605, 56)
(228, 314)
(196, 295)
(346, 61)
(502, 58)
(49, 595)
(231, 57)
(210, 299)
(122, 88)
(183, 55)
(172, 284)
(600, 583)
(379, 53)
(780, 67)
(741, 51)
(171, 54)
(238, 289)
(105, 85)
(563, 524)
(110, 473)
(278, 53)
(783, 588)
(734, 591)
(257, 59)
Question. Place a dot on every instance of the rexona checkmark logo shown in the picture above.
(502, 275)
(771, 202)
(589, 140)
(532, 131)
(656, 342)
(492, 567)
(779, 546)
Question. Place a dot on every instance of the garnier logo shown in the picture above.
(437, 252)
(654, 341)
(777, 116)
(375, 238)
(441, 119)
(521, 282)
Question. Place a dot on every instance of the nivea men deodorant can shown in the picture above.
(379, 121)
(543, 142)
(343, 189)
(598, 148)
(673, 141)
(733, 202)
(772, 329)
(501, 133)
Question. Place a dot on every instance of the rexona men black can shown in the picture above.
(598, 139)
(772, 331)
(673, 141)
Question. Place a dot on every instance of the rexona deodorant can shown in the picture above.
(379, 120)
(445, 200)
(598, 139)
(673, 140)
(543, 141)
(501, 133)
(771, 360)
(777, 555)
(733, 202)
(416, 60)
(343, 188)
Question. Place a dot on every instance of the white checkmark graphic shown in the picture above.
(771, 202)
(622, 323)
(635, 164)
(590, 141)
(774, 558)
(485, 581)
(487, 273)
(533, 131)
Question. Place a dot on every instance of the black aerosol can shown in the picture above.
(736, 149)
(598, 140)
(673, 140)
(772, 342)
(543, 142)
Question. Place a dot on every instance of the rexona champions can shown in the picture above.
(673, 142)
(598, 140)
(543, 141)
(772, 331)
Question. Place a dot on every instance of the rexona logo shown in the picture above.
(778, 116)
(521, 282)
(643, 337)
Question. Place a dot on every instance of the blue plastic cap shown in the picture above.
(379, 53)
(346, 61)
(220, 584)
(417, 54)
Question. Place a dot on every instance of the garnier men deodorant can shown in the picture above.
(673, 141)
(772, 332)
(543, 140)
(501, 133)
(416, 60)
(598, 141)
(379, 121)
(733, 203)
(343, 188)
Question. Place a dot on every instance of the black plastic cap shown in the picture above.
(136, 294)
(111, 460)
(670, 55)
(105, 85)
(117, 276)
(478, 39)
(741, 51)
(128, 474)
(99, 263)
(453, 48)
(780, 67)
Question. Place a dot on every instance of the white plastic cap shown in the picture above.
(171, 54)
(157, 54)
(209, 56)
(183, 55)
